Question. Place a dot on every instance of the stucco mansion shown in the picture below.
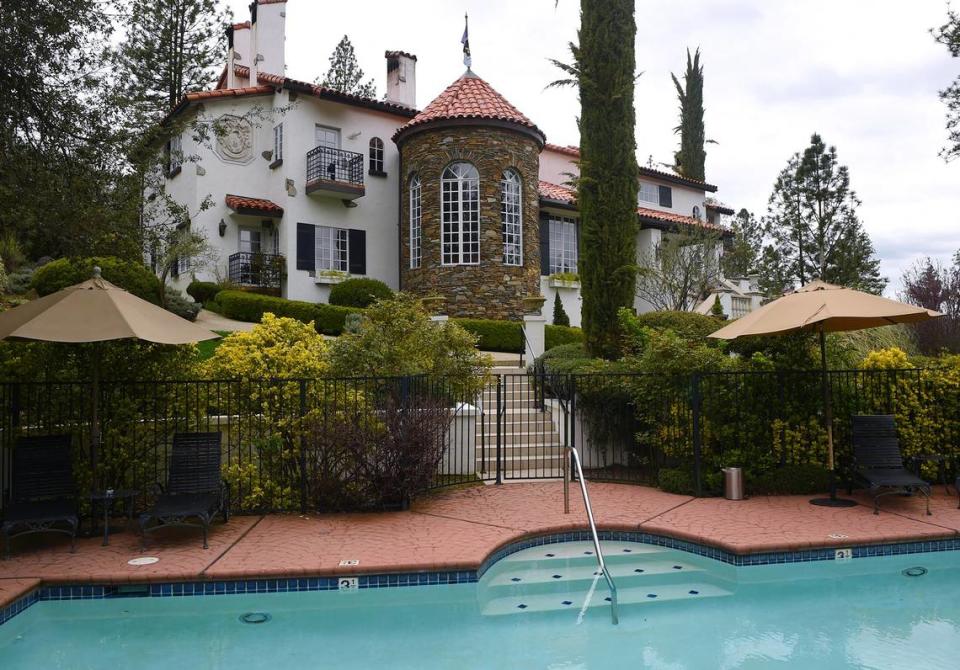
(463, 199)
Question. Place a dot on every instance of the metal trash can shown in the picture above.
(733, 483)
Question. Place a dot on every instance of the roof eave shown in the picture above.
(405, 133)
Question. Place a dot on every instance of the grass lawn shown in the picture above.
(206, 348)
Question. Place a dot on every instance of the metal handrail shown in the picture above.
(614, 608)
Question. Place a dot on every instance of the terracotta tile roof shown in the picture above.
(557, 193)
(241, 26)
(670, 217)
(470, 97)
(193, 96)
(244, 205)
(721, 208)
(568, 150)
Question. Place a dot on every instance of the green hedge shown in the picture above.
(560, 335)
(359, 292)
(203, 291)
(243, 306)
(63, 272)
(505, 335)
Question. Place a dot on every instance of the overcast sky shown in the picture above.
(865, 75)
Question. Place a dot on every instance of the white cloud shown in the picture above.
(863, 75)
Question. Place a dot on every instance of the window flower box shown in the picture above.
(331, 277)
(564, 280)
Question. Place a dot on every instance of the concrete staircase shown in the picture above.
(565, 576)
(531, 444)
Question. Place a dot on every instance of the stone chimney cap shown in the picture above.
(395, 54)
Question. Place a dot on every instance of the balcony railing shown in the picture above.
(249, 268)
(335, 172)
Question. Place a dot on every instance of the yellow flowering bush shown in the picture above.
(276, 348)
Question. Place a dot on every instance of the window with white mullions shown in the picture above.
(563, 245)
(416, 229)
(511, 219)
(460, 215)
(376, 155)
(332, 249)
(278, 142)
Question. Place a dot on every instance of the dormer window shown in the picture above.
(376, 157)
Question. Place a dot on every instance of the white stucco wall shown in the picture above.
(556, 167)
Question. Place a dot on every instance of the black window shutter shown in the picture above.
(544, 245)
(666, 196)
(357, 262)
(576, 227)
(306, 247)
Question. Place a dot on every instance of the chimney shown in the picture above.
(269, 32)
(231, 73)
(254, 45)
(401, 78)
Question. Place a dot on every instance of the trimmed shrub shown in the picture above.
(180, 306)
(63, 272)
(559, 335)
(19, 282)
(244, 306)
(560, 317)
(791, 480)
(675, 480)
(203, 291)
(493, 335)
(688, 325)
(359, 292)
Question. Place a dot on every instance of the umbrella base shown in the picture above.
(834, 502)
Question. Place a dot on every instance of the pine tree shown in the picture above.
(345, 74)
(948, 35)
(813, 224)
(603, 69)
(691, 158)
(742, 254)
(560, 317)
(171, 47)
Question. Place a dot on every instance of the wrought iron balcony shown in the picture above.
(258, 270)
(335, 173)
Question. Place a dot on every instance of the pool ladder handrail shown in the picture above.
(614, 608)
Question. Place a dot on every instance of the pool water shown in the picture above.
(677, 611)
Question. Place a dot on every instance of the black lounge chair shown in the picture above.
(195, 488)
(44, 494)
(876, 452)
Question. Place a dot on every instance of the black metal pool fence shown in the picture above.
(305, 444)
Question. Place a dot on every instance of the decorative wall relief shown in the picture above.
(234, 139)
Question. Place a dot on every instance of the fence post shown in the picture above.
(695, 402)
(500, 409)
(572, 434)
(303, 446)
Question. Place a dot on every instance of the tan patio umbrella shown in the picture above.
(97, 311)
(824, 308)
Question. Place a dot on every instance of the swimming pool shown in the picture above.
(678, 610)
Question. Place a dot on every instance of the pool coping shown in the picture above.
(38, 591)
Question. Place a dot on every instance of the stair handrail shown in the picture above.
(614, 608)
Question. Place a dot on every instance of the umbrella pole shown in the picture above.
(833, 500)
(95, 413)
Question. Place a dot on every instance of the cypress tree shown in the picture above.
(560, 317)
(691, 158)
(607, 187)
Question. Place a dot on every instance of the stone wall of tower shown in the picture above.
(491, 289)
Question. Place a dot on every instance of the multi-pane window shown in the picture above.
(327, 137)
(739, 307)
(416, 228)
(511, 220)
(649, 193)
(460, 210)
(278, 142)
(376, 155)
(174, 155)
(332, 251)
(563, 245)
(250, 240)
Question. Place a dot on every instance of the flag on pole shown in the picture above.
(465, 41)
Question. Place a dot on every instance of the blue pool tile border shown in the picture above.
(294, 584)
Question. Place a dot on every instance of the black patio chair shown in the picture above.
(878, 462)
(195, 487)
(44, 495)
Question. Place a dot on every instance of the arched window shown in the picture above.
(460, 215)
(511, 218)
(696, 212)
(416, 231)
(376, 156)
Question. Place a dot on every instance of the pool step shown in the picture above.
(562, 575)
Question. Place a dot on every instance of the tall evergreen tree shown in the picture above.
(742, 254)
(345, 74)
(948, 35)
(691, 159)
(813, 224)
(171, 47)
(603, 69)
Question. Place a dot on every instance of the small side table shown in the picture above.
(108, 499)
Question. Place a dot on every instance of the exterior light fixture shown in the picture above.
(222, 227)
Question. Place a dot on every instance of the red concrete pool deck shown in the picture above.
(459, 528)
